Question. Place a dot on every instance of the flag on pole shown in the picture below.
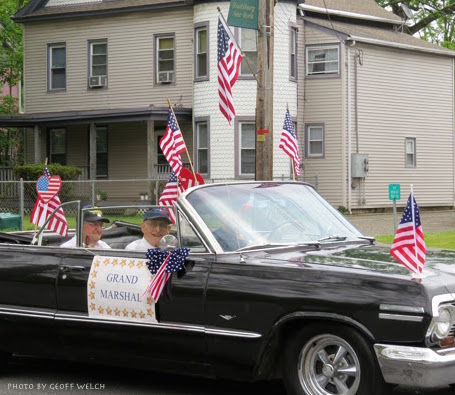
(408, 247)
(229, 59)
(169, 195)
(172, 143)
(41, 212)
(289, 143)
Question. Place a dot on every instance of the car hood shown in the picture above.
(439, 269)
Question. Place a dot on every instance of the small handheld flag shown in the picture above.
(289, 143)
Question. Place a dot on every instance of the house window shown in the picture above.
(202, 146)
(314, 139)
(57, 146)
(101, 152)
(201, 53)
(57, 67)
(247, 148)
(165, 59)
(410, 152)
(322, 60)
(293, 54)
(160, 158)
(98, 58)
(248, 41)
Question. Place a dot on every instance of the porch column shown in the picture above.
(151, 160)
(37, 136)
(92, 151)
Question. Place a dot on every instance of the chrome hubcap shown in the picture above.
(328, 365)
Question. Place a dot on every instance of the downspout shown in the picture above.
(453, 130)
(352, 43)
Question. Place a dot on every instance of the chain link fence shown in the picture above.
(19, 197)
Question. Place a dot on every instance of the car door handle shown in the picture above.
(73, 268)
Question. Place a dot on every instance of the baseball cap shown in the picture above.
(157, 213)
(94, 215)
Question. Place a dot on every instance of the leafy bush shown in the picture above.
(32, 172)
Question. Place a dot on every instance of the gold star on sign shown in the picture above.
(117, 312)
(133, 314)
(97, 263)
(140, 264)
(115, 262)
(149, 300)
(101, 310)
(94, 273)
(149, 312)
(123, 263)
(92, 295)
(108, 311)
(92, 284)
(92, 306)
(141, 314)
(132, 263)
(125, 312)
(106, 261)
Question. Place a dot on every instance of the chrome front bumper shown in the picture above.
(416, 366)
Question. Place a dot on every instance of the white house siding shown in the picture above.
(130, 61)
(405, 94)
(323, 103)
(205, 103)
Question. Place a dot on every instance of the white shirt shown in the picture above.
(72, 244)
(139, 245)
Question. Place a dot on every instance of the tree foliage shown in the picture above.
(433, 20)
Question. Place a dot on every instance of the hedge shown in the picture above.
(33, 171)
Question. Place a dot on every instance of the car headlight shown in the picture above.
(443, 323)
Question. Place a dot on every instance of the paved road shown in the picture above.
(36, 376)
(382, 224)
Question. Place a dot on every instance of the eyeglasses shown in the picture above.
(154, 224)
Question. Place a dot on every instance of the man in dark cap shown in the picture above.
(155, 225)
(92, 230)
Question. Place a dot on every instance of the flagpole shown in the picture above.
(39, 214)
(241, 51)
(414, 224)
(186, 149)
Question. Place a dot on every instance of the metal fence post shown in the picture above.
(21, 201)
(92, 183)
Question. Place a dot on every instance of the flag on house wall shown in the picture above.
(408, 247)
(169, 195)
(229, 59)
(289, 143)
(172, 143)
(41, 212)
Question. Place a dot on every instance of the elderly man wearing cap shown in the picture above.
(155, 225)
(92, 230)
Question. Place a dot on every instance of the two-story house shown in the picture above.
(98, 74)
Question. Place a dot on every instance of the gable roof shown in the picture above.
(377, 36)
(357, 9)
(54, 9)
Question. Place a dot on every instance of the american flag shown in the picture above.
(169, 195)
(408, 247)
(289, 143)
(41, 212)
(46, 188)
(229, 59)
(172, 143)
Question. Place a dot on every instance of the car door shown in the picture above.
(177, 337)
(28, 302)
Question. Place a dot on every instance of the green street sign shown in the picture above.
(244, 13)
(394, 192)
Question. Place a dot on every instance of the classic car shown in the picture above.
(277, 284)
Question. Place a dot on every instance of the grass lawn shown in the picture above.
(444, 240)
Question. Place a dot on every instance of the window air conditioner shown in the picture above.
(97, 81)
(165, 77)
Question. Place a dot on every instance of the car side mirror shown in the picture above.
(169, 243)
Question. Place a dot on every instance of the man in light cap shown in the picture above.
(155, 225)
(92, 230)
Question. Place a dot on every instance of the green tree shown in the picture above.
(433, 20)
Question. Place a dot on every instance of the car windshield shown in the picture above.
(241, 216)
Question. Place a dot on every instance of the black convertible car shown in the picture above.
(277, 284)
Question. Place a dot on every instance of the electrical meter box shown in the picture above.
(359, 165)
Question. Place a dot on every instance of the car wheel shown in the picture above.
(322, 360)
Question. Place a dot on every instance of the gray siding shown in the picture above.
(131, 61)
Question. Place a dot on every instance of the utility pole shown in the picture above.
(264, 100)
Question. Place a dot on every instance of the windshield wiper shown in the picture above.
(333, 237)
(268, 245)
